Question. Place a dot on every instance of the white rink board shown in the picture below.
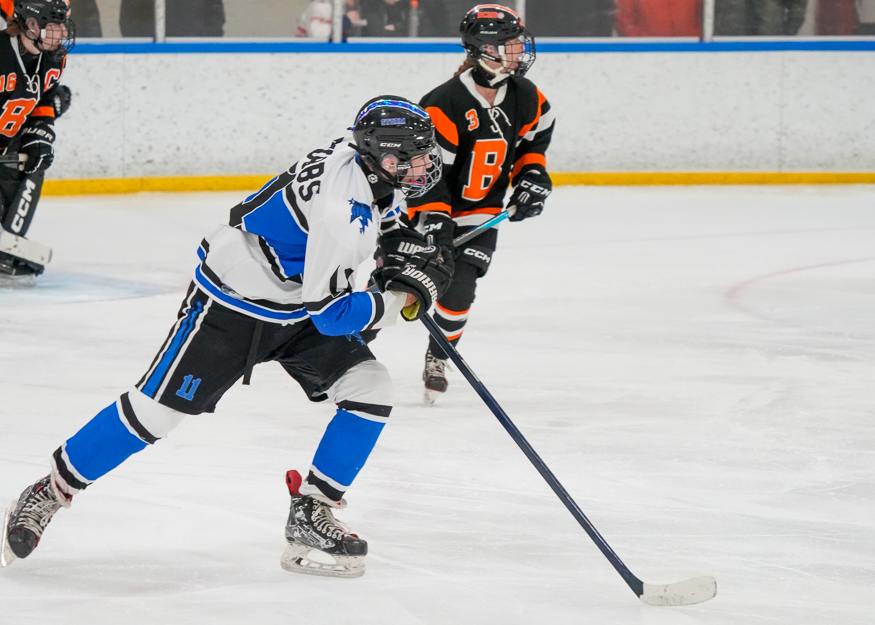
(155, 115)
(694, 364)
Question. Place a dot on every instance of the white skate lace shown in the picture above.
(38, 508)
(326, 524)
(434, 367)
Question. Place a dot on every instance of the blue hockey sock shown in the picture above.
(103, 444)
(344, 449)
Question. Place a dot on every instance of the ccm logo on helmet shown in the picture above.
(393, 121)
(390, 145)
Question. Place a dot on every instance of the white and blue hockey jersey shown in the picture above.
(292, 249)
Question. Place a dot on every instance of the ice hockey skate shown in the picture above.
(317, 543)
(435, 378)
(21, 260)
(27, 517)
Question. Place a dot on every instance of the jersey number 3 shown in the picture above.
(487, 160)
(14, 114)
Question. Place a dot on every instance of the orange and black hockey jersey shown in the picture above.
(27, 84)
(485, 147)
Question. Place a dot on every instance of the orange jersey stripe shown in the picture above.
(479, 211)
(7, 7)
(525, 129)
(528, 159)
(43, 111)
(455, 336)
(443, 125)
(452, 312)
(443, 207)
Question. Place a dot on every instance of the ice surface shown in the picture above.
(694, 364)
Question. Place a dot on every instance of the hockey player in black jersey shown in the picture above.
(251, 302)
(36, 38)
(494, 127)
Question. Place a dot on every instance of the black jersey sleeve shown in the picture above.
(44, 111)
(534, 139)
(439, 197)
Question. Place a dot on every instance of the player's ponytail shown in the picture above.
(468, 64)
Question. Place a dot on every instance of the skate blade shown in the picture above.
(430, 396)
(295, 560)
(7, 557)
(17, 282)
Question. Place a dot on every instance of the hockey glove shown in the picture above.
(37, 144)
(394, 251)
(528, 197)
(441, 227)
(61, 101)
(427, 276)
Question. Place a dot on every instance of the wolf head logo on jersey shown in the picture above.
(362, 212)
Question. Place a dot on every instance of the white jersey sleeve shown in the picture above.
(293, 249)
(344, 226)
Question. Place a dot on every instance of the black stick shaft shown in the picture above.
(634, 583)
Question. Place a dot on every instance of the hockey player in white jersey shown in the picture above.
(277, 284)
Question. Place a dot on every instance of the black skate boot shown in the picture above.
(17, 273)
(434, 376)
(26, 519)
(318, 544)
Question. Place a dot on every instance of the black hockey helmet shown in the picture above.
(394, 126)
(34, 18)
(488, 32)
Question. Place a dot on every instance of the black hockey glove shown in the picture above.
(441, 227)
(528, 196)
(61, 101)
(427, 275)
(393, 252)
(37, 144)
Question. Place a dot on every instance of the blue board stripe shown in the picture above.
(151, 387)
(426, 47)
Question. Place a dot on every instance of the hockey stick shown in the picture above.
(462, 238)
(695, 590)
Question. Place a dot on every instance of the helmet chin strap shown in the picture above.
(485, 76)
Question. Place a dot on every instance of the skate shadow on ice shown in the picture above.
(72, 288)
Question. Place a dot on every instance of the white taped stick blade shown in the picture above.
(688, 592)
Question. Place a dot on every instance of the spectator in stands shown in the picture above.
(386, 18)
(730, 18)
(570, 18)
(184, 18)
(316, 20)
(659, 18)
(434, 18)
(836, 18)
(775, 18)
(866, 17)
(87, 18)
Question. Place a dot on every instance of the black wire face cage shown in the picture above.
(524, 61)
(419, 186)
(43, 13)
(492, 26)
(392, 126)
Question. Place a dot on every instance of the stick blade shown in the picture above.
(695, 590)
